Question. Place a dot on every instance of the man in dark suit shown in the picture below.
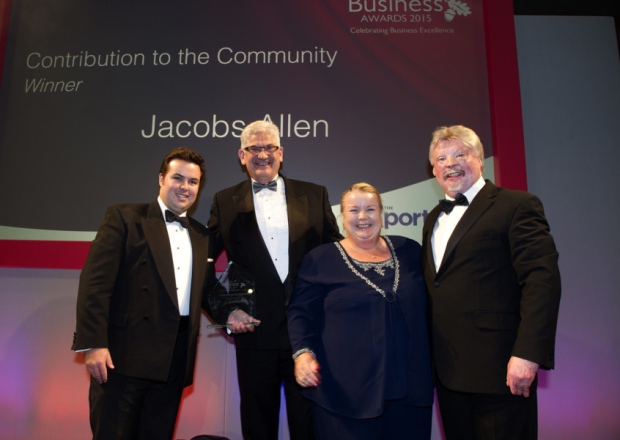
(138, 306)
(491, 270)
(267, 224)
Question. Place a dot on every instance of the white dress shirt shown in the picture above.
(445, 224)
(182, 258)
(272, 219)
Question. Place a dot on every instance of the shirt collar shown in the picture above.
(277, 179)
(472, 191)
(163, 208)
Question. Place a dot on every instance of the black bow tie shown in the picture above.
(448, 205)
(256, 187)
(172, 217)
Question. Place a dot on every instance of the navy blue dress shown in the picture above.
(371, 346)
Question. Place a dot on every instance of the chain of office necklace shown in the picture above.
(345, 257)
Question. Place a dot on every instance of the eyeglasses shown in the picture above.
(256, 150)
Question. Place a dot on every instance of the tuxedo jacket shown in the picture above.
(311, 222)
(496, 293)
(127, 298)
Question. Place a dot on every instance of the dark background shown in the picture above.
(598, 8)
(567, 7)
(570, 7)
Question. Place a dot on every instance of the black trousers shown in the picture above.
(261, 374)
(128, 408)
(472, 416)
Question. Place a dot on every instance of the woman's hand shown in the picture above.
(307, 371)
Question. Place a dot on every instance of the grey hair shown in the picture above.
(259, 127)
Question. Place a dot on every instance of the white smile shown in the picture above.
(453, 174)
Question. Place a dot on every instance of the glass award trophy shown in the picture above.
(234, 290)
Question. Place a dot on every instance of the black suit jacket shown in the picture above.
(127, 297)
(496, 293)
(311, 222)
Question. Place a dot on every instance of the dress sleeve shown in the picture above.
(305, 313)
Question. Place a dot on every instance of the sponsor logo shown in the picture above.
(391, 218)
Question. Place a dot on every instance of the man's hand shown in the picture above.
(97, 361)
(238, 320)
(521, 374)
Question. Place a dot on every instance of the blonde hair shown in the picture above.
(363, 187)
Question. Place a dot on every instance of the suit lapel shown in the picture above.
(200, 256)
(430, 221)
(481, 203)
(297, 211)
(157, 237)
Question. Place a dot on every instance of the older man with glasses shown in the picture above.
(266, 224)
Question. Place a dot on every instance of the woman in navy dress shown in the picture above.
(357, 323)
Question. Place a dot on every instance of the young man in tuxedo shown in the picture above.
(138, 306)
(491, 269)
(266, 224)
